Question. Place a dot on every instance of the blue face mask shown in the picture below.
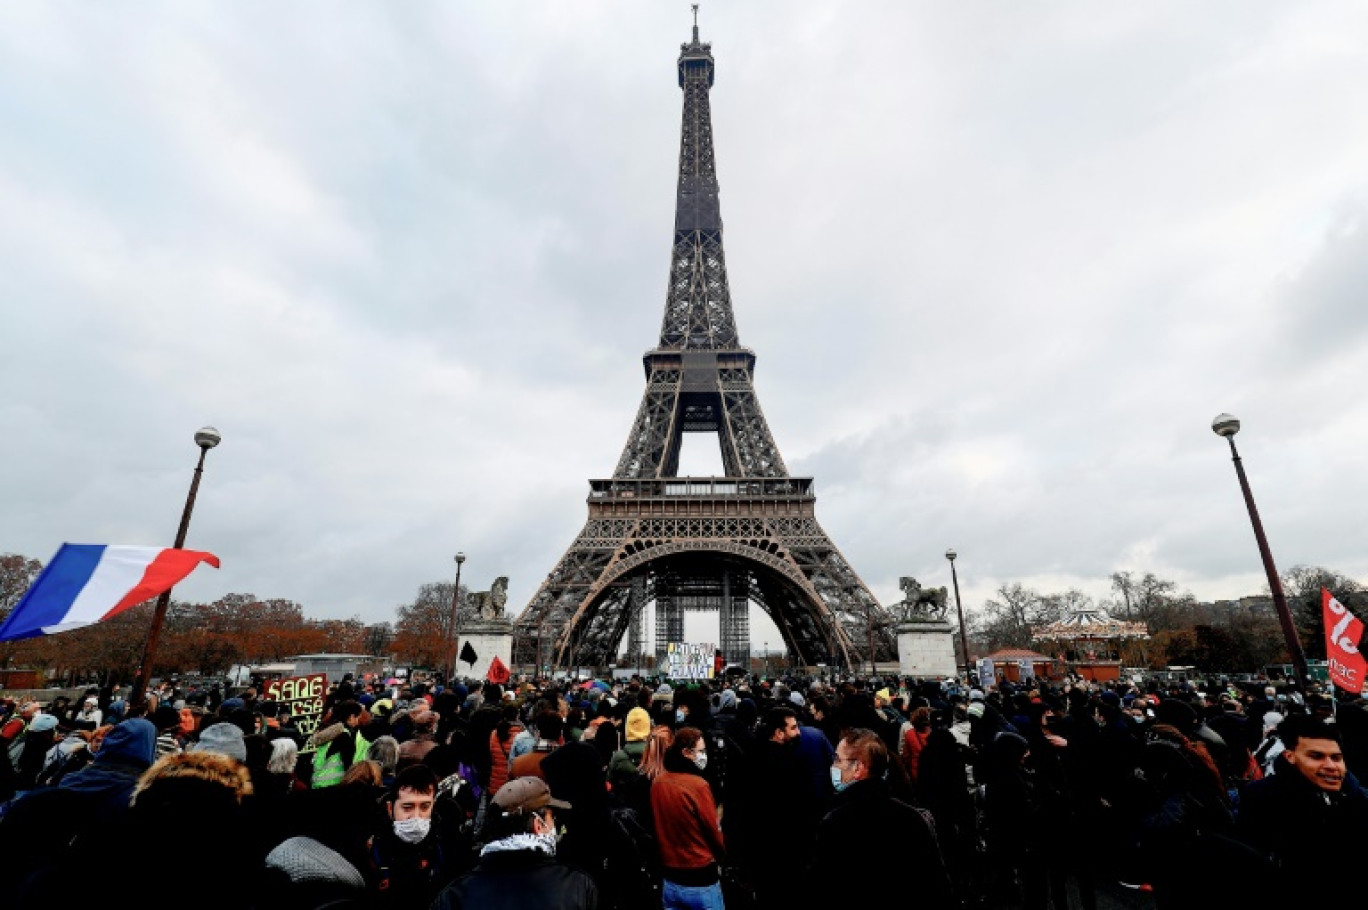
(836, 781)
(680, 715)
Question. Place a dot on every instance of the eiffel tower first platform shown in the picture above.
(700, 543)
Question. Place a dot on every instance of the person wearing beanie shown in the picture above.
(424, 739)
(167, 720)
(301, 872)
(625, 762)
(223, 738)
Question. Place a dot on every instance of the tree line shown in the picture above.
(1233, 635)
(209, 638)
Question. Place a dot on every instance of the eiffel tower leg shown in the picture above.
(565, 588)
(735, 619)
(636, 636)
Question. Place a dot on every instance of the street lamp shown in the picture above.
(1227, 426)
(206, 438)
(453, 623)
(959, 608)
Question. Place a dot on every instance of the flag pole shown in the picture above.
(206, 438)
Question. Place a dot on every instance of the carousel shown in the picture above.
(1091, 642)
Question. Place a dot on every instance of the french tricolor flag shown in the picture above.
(88, 583)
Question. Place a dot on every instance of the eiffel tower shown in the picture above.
(700, 543)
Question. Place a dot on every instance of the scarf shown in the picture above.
(545, 843)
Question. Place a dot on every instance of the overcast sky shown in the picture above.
(1001, 264)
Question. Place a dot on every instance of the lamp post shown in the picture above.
(1227, 426)
(766, 660)
(959, 608)
(453, 623)
(206, 438)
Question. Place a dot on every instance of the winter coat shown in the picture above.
(866, 813)
(1291, 820)
(513, 880)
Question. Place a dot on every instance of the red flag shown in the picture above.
(498, 672)
(1342, 633)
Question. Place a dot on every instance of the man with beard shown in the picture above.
(781, 796)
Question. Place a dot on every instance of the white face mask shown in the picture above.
(412, 830)
(701, 759)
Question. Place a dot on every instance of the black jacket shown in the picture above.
(1290, 819)
(863, 818)
(518, 879)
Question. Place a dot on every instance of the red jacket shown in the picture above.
(913, 740)
(686, 824)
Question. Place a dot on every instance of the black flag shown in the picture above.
(468, 654)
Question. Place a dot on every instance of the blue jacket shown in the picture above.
(109, 780)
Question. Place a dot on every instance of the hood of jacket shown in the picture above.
(133, 742)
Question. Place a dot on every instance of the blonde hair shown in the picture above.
(211, 767)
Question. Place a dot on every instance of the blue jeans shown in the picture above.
(685, 897)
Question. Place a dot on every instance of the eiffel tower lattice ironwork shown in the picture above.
(716, 543)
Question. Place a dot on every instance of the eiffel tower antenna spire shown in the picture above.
(695, 12)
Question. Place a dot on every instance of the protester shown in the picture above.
(687, 828)
(1133, 783)
(864, 812)
(1309, 805)
(517, 866)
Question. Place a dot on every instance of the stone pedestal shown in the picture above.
(489, 637)
(926, 648)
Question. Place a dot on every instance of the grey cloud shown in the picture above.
(1000, 266)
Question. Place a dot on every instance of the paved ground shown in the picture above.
(1110, 896)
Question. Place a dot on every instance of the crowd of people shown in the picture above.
(635, 793)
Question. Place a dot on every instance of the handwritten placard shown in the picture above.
(303, 696)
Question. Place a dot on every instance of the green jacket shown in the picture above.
(626, 761)
(328, 769)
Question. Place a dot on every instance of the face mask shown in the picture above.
(836, 781)
(412, 830)
(680, 715)
(701, 759)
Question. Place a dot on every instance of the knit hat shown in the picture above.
(975, 709)
(638, 725)
(304, 859)
(232, 704)
(225, 739)
(797, 699)
(165, 718)
(43, 722)
(1271, 720)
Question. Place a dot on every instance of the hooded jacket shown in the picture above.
(108, 781)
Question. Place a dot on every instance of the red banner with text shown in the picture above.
(1343, 630)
